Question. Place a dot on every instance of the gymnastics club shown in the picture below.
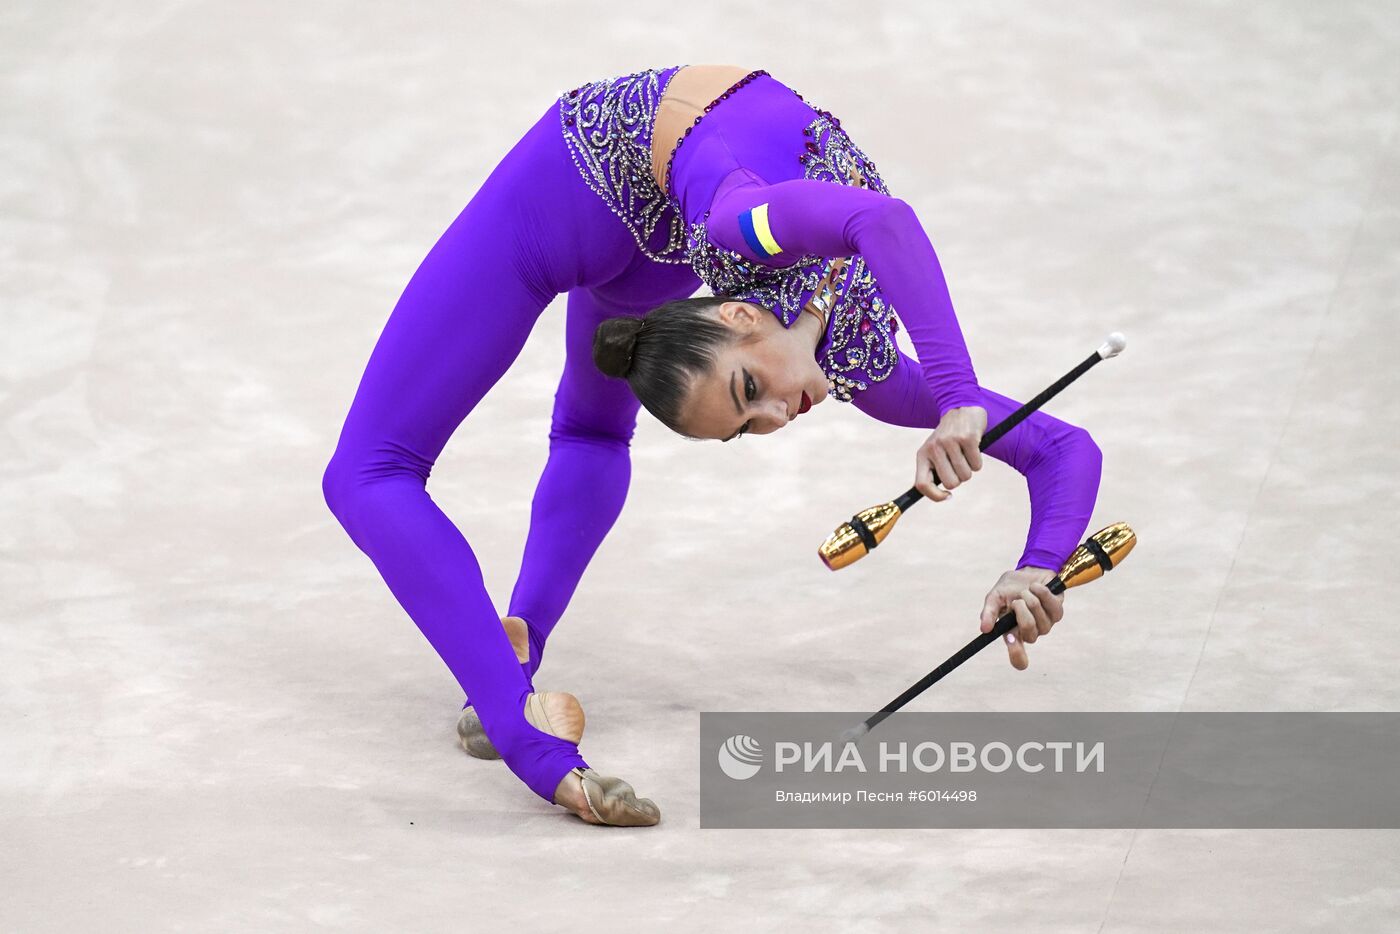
(855, 539)
(1101, 552)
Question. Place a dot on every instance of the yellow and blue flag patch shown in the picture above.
(757, 234)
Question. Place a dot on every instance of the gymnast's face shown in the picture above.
(760, 379)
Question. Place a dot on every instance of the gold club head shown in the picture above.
(1104, 551)
(847, 545)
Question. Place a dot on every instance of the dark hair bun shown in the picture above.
(613, 344)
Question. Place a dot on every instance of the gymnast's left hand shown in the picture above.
(951, 452)
(1023, 591)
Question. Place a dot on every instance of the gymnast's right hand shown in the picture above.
(951, 453)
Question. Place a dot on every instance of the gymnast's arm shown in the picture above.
(780, 223)
(1062, 466)
(1061, 463)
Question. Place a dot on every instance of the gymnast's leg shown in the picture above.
(584, 484)
(460, 323)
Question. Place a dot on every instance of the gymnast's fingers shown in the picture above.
(973, 453)
(943, 466)
(1016, 651)
(1039, 614)
(1054, 605)
(1025, 620)
(924, 478)
(958, 459)
(991, 609)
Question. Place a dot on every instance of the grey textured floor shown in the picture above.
(214, 716)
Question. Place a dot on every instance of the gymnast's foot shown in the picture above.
(602, 799)
(469, 731)
(557, 713)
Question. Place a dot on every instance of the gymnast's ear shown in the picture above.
(743, 318)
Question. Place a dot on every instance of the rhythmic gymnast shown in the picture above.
(627, 195)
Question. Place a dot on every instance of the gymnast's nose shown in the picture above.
(774, 416)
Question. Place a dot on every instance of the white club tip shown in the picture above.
(1113, 345)
(854, 733)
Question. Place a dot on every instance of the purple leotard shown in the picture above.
(573, 209)
(762, 144)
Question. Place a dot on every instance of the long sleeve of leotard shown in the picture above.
(1062, 466)
(779, 223)
(1061, 463)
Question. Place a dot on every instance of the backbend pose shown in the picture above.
(765, 199)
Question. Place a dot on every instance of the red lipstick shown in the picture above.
(806, 404)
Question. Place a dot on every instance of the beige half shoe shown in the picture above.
(469, 730)
(614, 802)
(557, 713)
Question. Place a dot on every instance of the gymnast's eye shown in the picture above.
(750, 390)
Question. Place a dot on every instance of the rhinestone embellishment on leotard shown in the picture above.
(607, 125)
(860, 347)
